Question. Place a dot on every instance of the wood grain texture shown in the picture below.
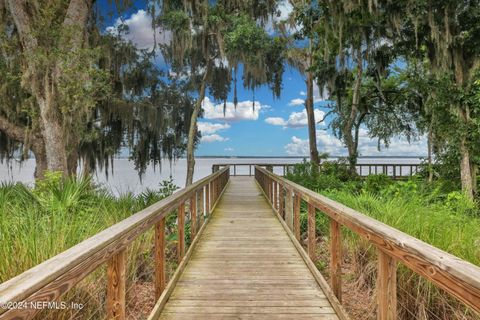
(336, 259)
(454, 275)
(386, 287)
(245, 266)
(311, 242)
(296, 216)
(116, 280)
(181, 232)
(160, 263)
(289, 208)
(207, 200)
(193, 216)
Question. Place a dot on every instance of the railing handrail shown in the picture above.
(90, 253)
(456, 276)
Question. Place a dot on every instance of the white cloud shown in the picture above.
(140, 30)
(213, 138)
(276, 121)
(229, 149)
(303, 93)
(367, 146)
(296, 102)
(296, 119)
(243, 111)
(210, 128)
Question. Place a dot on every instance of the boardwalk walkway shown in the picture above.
(246, 267)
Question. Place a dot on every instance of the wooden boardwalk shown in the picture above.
(246, 267)
(245, 261)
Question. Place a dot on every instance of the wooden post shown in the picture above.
(311, 231)
(386, 287)
(116, 286)
(275, 196)
(207, 199)
(201, 207)
(336, 258)
(289, 208)
(281, 206)
(296, 216)
(159, 258)
(193, 215)
(181, 232)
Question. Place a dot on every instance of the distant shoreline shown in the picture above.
(302, 157)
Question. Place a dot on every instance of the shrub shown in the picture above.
(376, 183)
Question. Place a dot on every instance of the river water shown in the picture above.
(124, 178)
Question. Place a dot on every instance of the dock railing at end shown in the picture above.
(51, 279)
(395, 171)
(457, 277)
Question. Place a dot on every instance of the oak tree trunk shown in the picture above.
(192, 131)
(350, 142)
(465, 169)
(312, 132)
(53, 133)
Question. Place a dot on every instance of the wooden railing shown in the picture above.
(248, 169)
(455, 276)
(51, 279)
(396, 171)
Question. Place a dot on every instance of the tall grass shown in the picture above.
(432, 213)
(39, 223)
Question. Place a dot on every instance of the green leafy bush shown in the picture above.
(375, 183)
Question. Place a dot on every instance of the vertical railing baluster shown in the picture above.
(160, 277)
(201, 207)
(275, 196)
(193, 215)
(207, 199)
(311, 231)
(336, 258)
(289, 208)
(386, 287)
(296, 215)
(181, 231)
(281, 204)
(116, 279)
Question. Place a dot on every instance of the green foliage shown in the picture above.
(38, 223)
(176, 20)
(375, 183)
(245, 36)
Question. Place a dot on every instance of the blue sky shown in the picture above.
(277, 127)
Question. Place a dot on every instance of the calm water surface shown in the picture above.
(124, 178)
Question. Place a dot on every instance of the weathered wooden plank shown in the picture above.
(116, 280)
(249, 310)
(181, 232)
(160, 263)
(296, 216)
(223, 316)
(251, 303)
(386, 287)
(312, 238)
(336, 259)
(193, 216)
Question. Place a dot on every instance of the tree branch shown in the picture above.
(77, 16)
(13, 131)
(325, 116)
(18, 9)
